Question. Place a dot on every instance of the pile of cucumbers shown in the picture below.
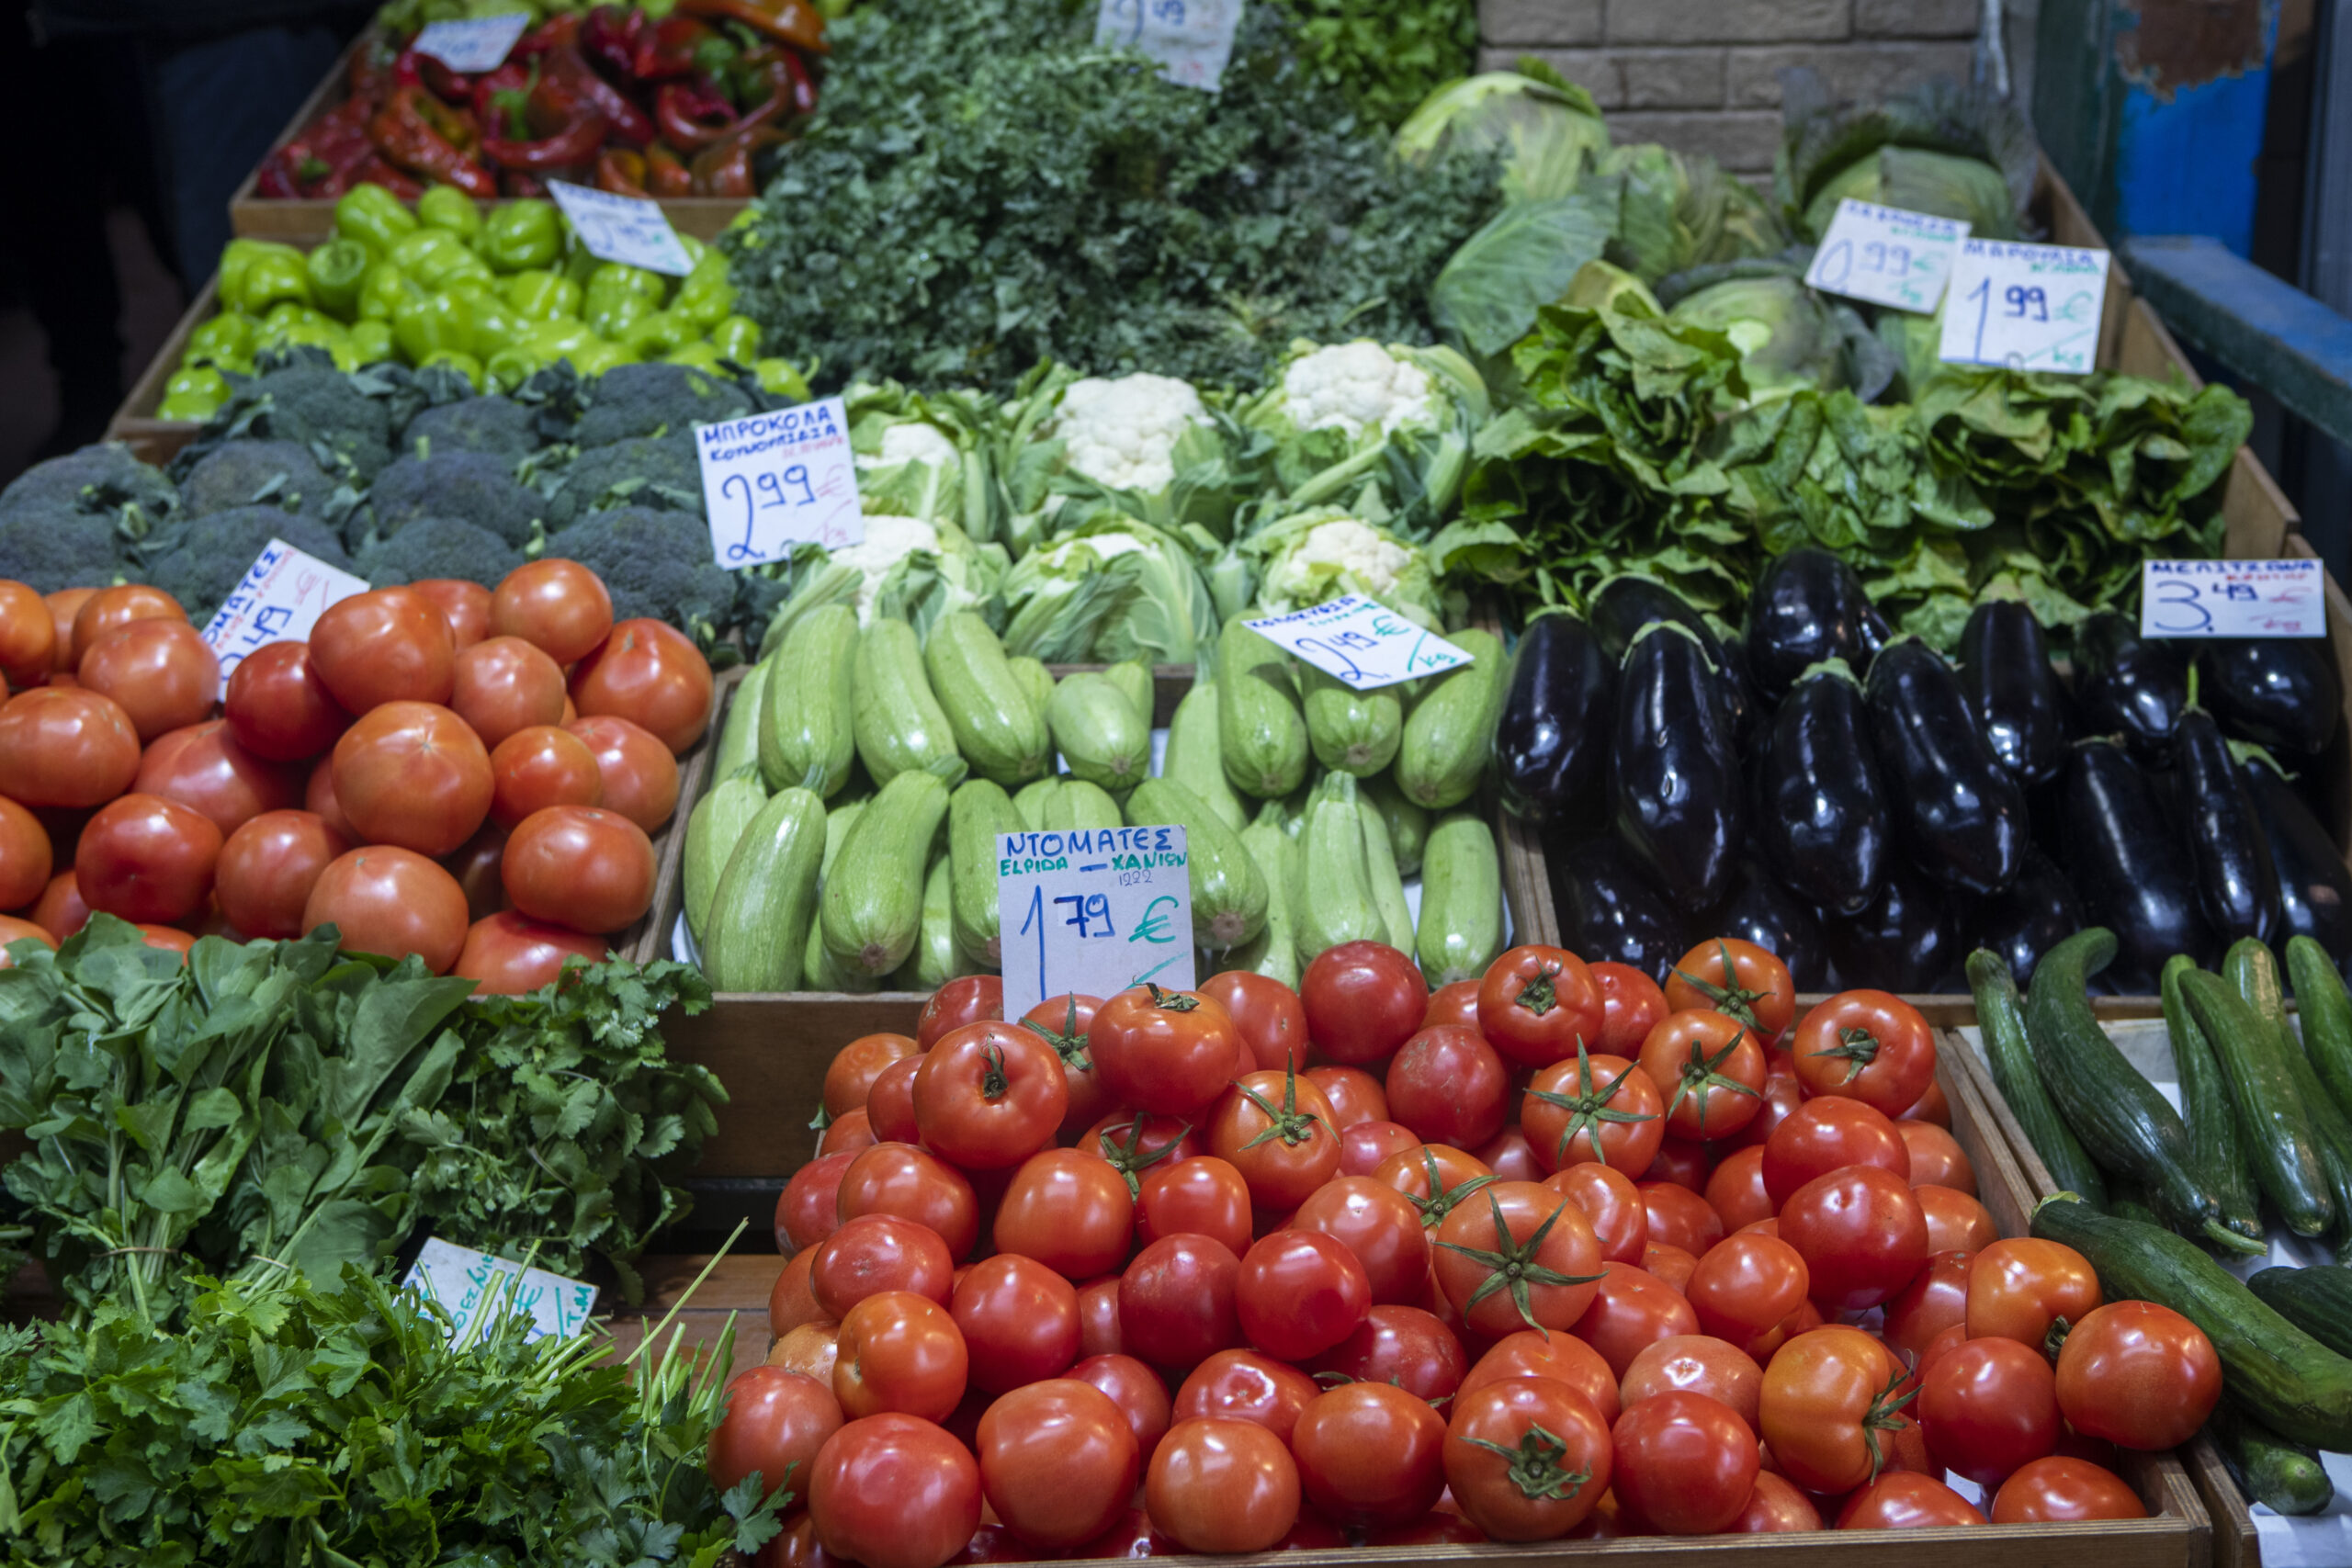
(848, 841)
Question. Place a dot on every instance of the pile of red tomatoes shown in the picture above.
(1553, 1253)
(466, 774)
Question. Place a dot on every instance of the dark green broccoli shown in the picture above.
(654, 563)
(318, 406)
(475, 486)
(61, 548)
(662, 472)
(256, 473)
(100, 481)
(654, 399)
(438, 547)
(495, 424)
(202, 561)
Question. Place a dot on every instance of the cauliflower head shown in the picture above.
(1355, 387)
(1123, 433)
(911, 443)
(1313, 559)
(888, 541)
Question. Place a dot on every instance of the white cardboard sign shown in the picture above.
(1193, 39)
(473, 45)
(1093, 911)
(626, 229)
(281, 598)
(473, 1287)
(2028, 307)
(2232, 598)
(1361, 642)
(1887, 255)
(774, 480)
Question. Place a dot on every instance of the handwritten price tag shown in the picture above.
(774, 480)
(1361, 642)
(476, 1289)
(1887, 255)
(476, 44)
(626, 229)
(1190, 39)
(2232, 598)
(2028, 307)
(282, 596)
(1093, 911)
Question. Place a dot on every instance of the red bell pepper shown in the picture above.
(792, 22)
(447, 85)
(671, 47)
(416, 131)
(611, 34)
(623, 118)
(537, 124)
(665, 172)
(558, 31)
(692, 115)
(515, 183)
(621, 170)
(724, 168)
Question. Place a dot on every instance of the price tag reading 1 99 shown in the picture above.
(771, 481)
(2028, 307)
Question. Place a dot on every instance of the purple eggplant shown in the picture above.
(2028, 917)
(2279, 692)
(1608, 909)
(1959, 816)
(2129, 865)
(1821, 821)
(2016, 696)
(1907, 940)
(2130, 685)
(1808, 605)
(2237, 888)
(1760, 910)
(1677, 790)
(1553, 733)
(2314, 888)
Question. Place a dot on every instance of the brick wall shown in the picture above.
(1703, 75)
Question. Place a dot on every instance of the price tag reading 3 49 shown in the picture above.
(473, 44)
(626, 229)
(1887, 255)
(1193, 39)
(1361, 642)
(774, 480)
(1093, 911)
(281, 598)
(2232, 598)
(2028, 307)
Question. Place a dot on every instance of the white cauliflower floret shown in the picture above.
(912, 442)
(1352, 387)
(1123, 433)
(1362, 559)
(888, 541)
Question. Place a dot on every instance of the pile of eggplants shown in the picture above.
(1873, 812)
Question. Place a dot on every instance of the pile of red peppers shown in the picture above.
(611, 98)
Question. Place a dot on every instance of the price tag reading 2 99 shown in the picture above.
(771, 481)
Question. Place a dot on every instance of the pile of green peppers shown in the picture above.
(497, 297)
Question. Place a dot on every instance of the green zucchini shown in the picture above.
(2327, 1010)
(1451, 733)
(2317, 1300)
(2290, 1478)
(1355, 732)
(1000, 731)
(839, 817)
(1193, 757)
(760, 910)
(900, 726)
(713, 830)
(1408, 825)
(1102, 737)
(2253, 972)
(1133, 679)
(1078, 804)
(739, 738)
(821, 971)
(1388, 887)
(2122, 1120)
(1031, 798)
(808, 716)
(1274, 951)
(2207, 1107)
(872, 906)
(2002, 1016)
(1333, 903)
(1230, 892)
(1461, 901)
(977, 813)
(2282, 1376)
(1034, 678)
(935, 960)
(1262, 730)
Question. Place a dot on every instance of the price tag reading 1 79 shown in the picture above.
(2028, 307)
(1093, 911)
(774, 480)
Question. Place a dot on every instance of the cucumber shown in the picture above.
(1195, 759)
(2003, 1017)
(1034, 678)
(713, 830)
(1079, 804)
(935, 960)
(1133, 679)
(1274, 951)
(1461, 901)
(1408, 825)
(2317, 1300)
(1230, 893)
(739, 738)
(977, 813)
(1102, 737)
(760, 910)
(807, 716)
(2284, 1476)
(2207, 1109)
(1451, 733)
(1333, 903)
(2281, 1375)
(1388, 887)
(872, 905)
(2327, 1010)
(1355, 732)
(900, 726)
(2295, 1115)
(1030, 800)
(1001, 732)
(1262, 730)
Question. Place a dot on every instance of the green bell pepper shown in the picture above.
(539, 295)
(371, 342)
(706, 298)
(695, 249)
(611, 277)
(510, 367)
(657, 333)
(432, 323)
(336, 270)
(447, 206)
(496, 326)
(236, 259)
(551, 341)
(384, 290)
(431, 254)
(596, 356)
(272, 273)
(464, 363)
(193, 393)
(226, 339)
(615, 312)
(778, 376)
(373, 216)
(699, 354)
(737, 338)
(521, 235)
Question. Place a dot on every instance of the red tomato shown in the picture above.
(1620, 1222)
(162, 672)
(1783, 1095)
(1167, 1051)
(1517, 1255)
(389, 645)
(1937, 1159)
(63, 746)
(1434, 1177)
(1135, 1389)
(855, 1066)
(901, 1179)
(112, 609)
(1449, 1087)
(558, 606)
(465, 605)
(1683, 1163)
(1242, 1385)
(1527, 1458)
(202, 766)
(1363, 1146)
(869, 1254)
(1221, 1487)
(899, 1351)
(2051, 1489)
(278, 709)
(1932, 1107)
(960, 1001)
(1684, 1464)
(1736, 1189)
(1370, 1455)
(1631, 1309)
(1695, 1363)
(318, 797)
(168, 939)
(1775, 1507)
(1593, 1108)
(1068, 1211)
(1176, 1301)
(1201, 1197)
(1058, 1462)
(1900, 1500)
(1558, 1357)
(64, 607)
(579, 866)
(268, 867)
(890, 1102)
(1936, 1299)
(1710, 1069)
(774, 1423)
(1136, 1143)
(1746, 1285)
(1956, 1223)
(1266, 1014)
(61, 911)
(1377, 1224)
(1279, 1132)
(1866, 1045)
(1673, 1265)
(1860, 1234)
(28, 636)
(989, 1096)
(1729, 975)
(638, 776)
(650, 674)
(13, 929)
(511, 955)
(1062, 1022)
(1300, 1292)
(1539, 1005)
(1510, 1156)
(25, 859)
(1831, 1401)
(1988, 1407)
(1363, 1000)
(1019, 1321)
(2019, 1286)
(1679, 1217)
(808, 1210)
(1353, 1095)
(1400, 1345)
(392, 902)
(1455, 1003)
(411, 773)
(849, 1132)
(1828, 1135)
(1632, 1005)
(2140, 1375)
(892, 1491)
(147, 860)
(504, 686)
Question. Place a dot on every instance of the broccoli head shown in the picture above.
(656, 564)
(101, 480)
(661, 472)
(654, 399)
(495, 424)
(317, 406)
(256, 473)
(53, 549)
(438, 547)
(205, 559)
(475, 486)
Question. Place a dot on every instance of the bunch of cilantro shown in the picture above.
(982, 188)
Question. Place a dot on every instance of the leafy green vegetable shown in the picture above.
(1941, 148)
(1523, 259)
(1547, 129)
(1384, 55)
(1787, 335)
(1680, 210)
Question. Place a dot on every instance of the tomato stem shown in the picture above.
(1730, 996)
(1173, 1001)
(1700, 1074)
(1885, 1416)
(1859, 1046)
(1069, 1042)
(1539, 995)
(1511, 1265)
(1536, 1467)
(1443, 1199)
(1586, 1108)
(1289, 1123)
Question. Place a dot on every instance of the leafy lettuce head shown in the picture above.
(1786, 336)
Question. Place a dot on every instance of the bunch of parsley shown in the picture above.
(1385, 56)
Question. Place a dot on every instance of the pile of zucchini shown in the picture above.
(848, 841)
(2151, 1197)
